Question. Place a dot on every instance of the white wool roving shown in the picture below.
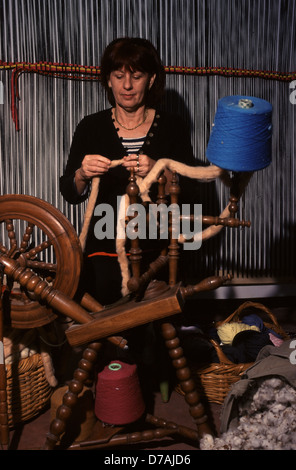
(267, 420)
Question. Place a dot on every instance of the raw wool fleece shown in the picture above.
(267, 420)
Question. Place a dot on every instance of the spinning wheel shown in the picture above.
(46, 265)
(21, 264)
(40, 238)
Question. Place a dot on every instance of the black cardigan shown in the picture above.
(168, 137)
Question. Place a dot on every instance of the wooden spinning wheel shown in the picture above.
(40, 238)
(43, 257)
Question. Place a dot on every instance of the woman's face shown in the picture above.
(129, 88)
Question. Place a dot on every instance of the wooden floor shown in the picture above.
(31, 435)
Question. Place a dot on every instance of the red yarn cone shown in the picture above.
(119, 398)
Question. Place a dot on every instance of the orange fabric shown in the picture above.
(103, 253)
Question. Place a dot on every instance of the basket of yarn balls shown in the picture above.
(234, 344)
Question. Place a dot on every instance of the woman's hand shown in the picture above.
(141, 163)
(91, 166)
(94, 165)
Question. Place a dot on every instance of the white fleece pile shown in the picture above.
(267, 420)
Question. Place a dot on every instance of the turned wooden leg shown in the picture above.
(183, 374)
(174, 247)
(81, 374)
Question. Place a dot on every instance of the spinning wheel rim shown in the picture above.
(62, 237)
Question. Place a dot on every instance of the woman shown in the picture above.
(134, 130)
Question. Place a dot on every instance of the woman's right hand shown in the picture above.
(91, 166)
(94, 165)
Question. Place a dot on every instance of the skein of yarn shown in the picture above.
(119, 398)
(241, 136)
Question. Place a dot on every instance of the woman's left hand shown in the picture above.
(142, 164)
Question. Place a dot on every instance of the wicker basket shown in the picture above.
(28, 391)
(214, 380)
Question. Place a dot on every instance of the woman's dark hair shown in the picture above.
(134, 54)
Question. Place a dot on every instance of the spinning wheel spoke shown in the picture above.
(3, 249)
(26, 237)
(26, 253)
(31, 254)
(11, 236)
(43, 268)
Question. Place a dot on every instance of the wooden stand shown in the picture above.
(109, 322)
(110, 437)
(94, 324)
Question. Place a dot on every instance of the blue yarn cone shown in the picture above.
(241, 136)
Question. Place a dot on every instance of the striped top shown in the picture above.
(133, 145)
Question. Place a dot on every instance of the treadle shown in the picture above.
(104, 436)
